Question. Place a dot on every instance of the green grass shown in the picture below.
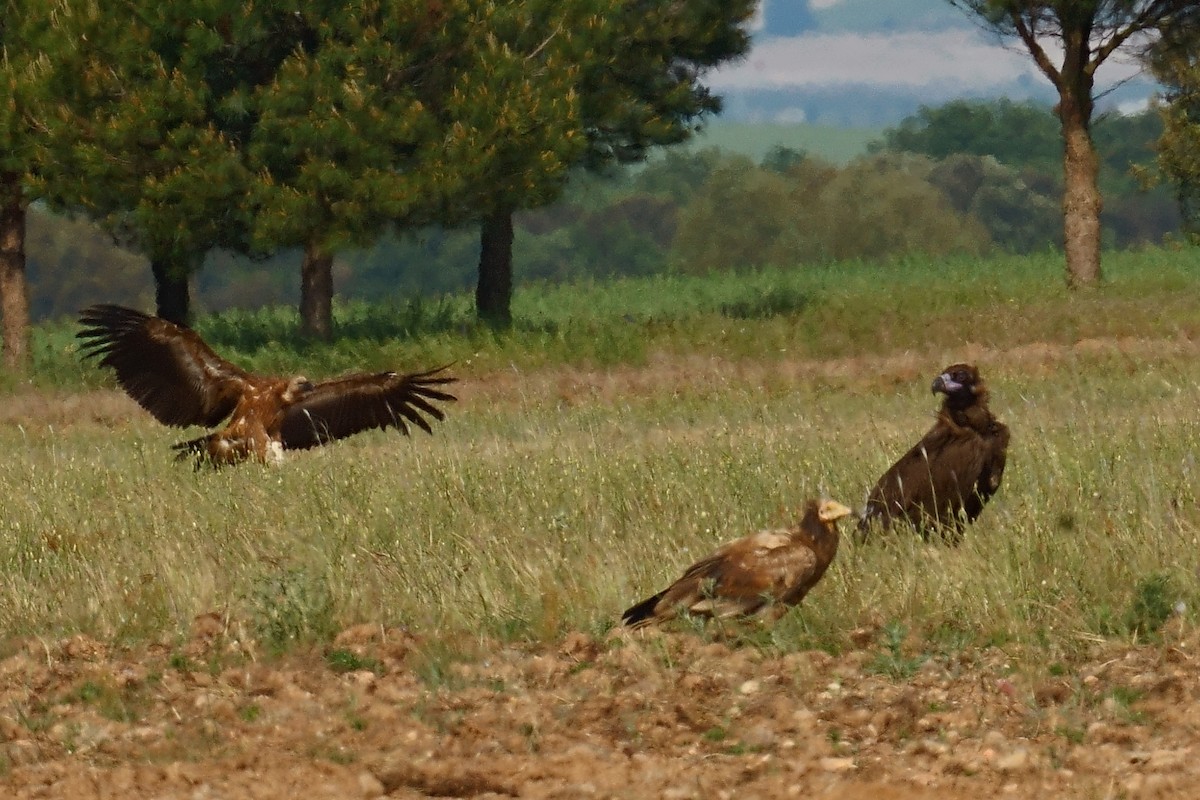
(550, 499)
(842, 310)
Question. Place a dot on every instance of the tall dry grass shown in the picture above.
(546, 505)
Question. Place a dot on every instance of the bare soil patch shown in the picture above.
(655, 715)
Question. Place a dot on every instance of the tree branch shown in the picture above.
(1029, 36)
(557, 30)
(1150, 15)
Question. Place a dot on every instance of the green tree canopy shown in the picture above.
(32, 34)
(1025, 140)
(151, 145)
(883, 206)
(1176, 64)
(407, 113)
(1019, 134)
(1017, 218)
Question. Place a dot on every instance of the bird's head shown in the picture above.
(297, 387)
(832, 511)
(819, 523)
(960, 383)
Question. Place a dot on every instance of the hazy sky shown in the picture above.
(966, 58)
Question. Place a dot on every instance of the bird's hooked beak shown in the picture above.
(945, 384)
(297, 388)
(832, 511)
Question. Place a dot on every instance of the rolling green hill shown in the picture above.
(836, 145)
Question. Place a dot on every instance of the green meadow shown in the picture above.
(621, 431)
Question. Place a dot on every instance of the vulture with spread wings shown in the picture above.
(944, 481)
(769, 571)
(173, 374)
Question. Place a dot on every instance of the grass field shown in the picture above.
(837, 311)
(619, 433)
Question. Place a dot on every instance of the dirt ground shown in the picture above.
(646, 715)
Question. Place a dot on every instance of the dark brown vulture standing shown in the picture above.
(174, 375)
(767, 571)
(947, 477)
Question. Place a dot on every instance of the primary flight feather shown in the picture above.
(170, 371)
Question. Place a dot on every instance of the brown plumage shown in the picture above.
(173, 374)
(944, 481)
(767, 571)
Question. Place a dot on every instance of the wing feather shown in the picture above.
(770, 569)
(742, 576)
(342, 407)
(166, 368)
(951, 468)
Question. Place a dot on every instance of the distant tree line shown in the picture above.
(1024, 138)
(966, 177)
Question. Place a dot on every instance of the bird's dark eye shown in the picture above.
(960, 376)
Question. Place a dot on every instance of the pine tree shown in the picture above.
(152, 144)
(403, 114)
(639, 86)
(31, 32)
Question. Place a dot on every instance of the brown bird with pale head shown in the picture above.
(769, 572)
(945, 480)
(173, 374)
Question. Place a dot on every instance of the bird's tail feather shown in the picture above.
(643, 613)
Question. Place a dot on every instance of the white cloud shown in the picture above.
(961, 57)
(1134, 106)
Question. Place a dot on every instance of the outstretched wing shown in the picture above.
(342, 407)
(167, 369)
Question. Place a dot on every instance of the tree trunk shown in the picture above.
(493, 293)
(171, 296)
(1081, 194)
(14, 301)
(316, 294)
